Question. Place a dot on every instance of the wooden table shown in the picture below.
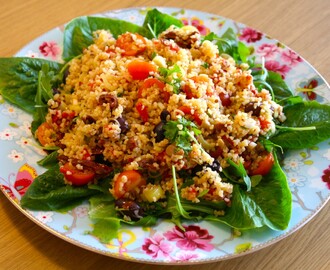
(302, 25)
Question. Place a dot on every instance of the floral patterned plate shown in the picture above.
(308, 170)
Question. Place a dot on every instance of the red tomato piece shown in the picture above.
(149, 82)
(86, 155)
(75, 176)
(140, 70)
(187, 110)
(187, 90)
(126, 182)
(132, 44)
(264, 166)
(263, 123)
(143, 111)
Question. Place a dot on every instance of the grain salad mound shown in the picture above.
(124, 98)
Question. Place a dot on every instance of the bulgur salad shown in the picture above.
(159, 122)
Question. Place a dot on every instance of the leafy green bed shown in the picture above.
(265, 201)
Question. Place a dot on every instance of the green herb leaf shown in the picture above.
(167, 73)
(178, 132)
(205, 65)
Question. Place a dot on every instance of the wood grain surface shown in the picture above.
(302, 25)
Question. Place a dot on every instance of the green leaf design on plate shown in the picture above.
(243, 247)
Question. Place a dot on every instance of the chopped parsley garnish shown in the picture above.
(153, 55)
(179, 132)
(205, 65)
(167, 73)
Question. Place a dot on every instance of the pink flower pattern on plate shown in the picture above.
(268, 50)
(187, 256)
(198, 23)
(192, 238)
(50, 49)
(156, 246)
(291, 57)
(326, 177)
(275, 66)
(250, 35)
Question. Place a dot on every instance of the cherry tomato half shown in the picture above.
(140, 70)
(264, 166)
(75, 176)
(126, 182)
(131, 44)
(42, 133)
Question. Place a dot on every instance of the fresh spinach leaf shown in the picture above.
(243, 51)
(19, 79)
(104, 215)
(260, 207)
(49, 192)
(306, 113)
(289, 101)
(156, 22)
(280, 89)
(78, 33)
(238, 172)
(106, 229)
(44, 93)
(49, 161)
(106, 220)
(300, 115)
(203, 207)
(228, 44)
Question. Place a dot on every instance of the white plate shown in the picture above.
(308, 170)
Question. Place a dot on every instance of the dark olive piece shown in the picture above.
(254, 108)
(55, 91)
(215, 166)
(163, 115)
(66, 74)
(109, 98)
(124, 127)
(160, 132)
(129, 208)
(196, 169)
